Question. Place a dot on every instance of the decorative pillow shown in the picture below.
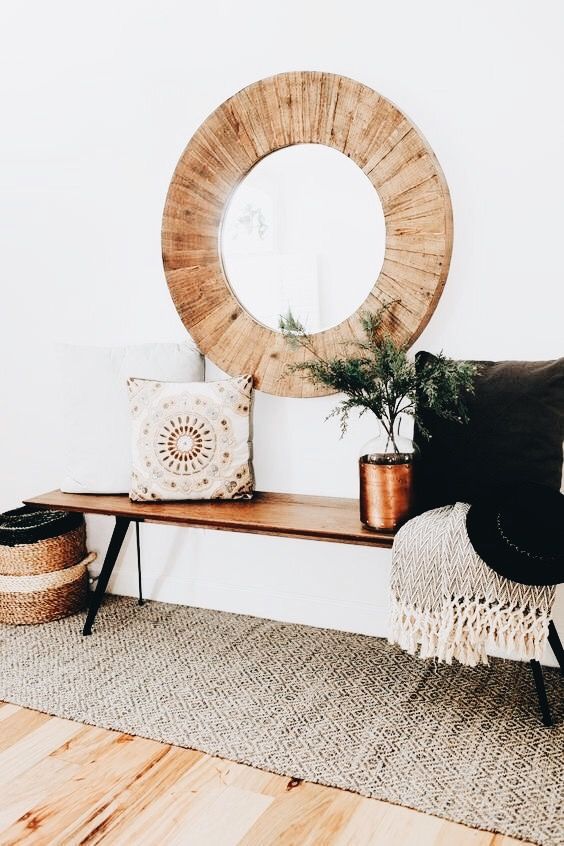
(95, 414)
(191, 440)
(515, 434)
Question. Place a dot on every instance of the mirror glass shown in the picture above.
(305, 231)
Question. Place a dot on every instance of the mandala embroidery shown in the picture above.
(185, 444)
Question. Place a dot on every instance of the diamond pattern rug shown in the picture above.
(340, 709)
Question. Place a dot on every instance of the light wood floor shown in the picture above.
(66, 783)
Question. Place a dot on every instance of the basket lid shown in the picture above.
(29, 524)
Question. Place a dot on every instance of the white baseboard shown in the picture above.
(286, 606)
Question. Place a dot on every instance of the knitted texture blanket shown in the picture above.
(447, 603)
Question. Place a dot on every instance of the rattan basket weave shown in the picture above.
(44, 556)
(43, 565)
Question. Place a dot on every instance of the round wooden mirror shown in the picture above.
(231, 252)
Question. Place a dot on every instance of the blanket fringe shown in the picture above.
(463, 628)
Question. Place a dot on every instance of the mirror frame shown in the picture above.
(293, 108)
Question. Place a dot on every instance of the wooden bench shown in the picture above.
(283, 515)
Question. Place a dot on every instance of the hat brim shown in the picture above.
(482, 528)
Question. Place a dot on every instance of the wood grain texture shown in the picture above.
(283, 515)
(22, 754)
(85, 785)
(294, 108)
(31, 788)
(18, 724)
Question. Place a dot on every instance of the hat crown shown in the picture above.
(532, 519)
(519, 533)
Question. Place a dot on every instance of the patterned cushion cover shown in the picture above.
(191, 440)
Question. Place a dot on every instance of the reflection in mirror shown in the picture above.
(304, 231)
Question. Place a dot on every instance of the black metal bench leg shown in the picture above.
(140, 601)
(556, 646)
(116, 541)
(541, 693)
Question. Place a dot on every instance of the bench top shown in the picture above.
(284, 515)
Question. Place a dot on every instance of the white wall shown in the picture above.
(98, 101)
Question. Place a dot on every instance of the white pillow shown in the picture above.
(96, 421)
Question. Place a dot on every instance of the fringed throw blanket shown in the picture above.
(448, 603)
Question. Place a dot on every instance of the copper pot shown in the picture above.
(386, 492)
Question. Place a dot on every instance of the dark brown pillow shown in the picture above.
(515, 434)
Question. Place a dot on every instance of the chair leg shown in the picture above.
(140, 601)
(556, 645)
(541, 693)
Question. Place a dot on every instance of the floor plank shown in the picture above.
(88, 744)
(363, 825)
(65, 783)
(196, 788)
(77, 808)
(30, 788)
(380, 824)
(29, 750)
(18, 724)
(309, 815)
(6, 710)
(135, 804)
(223, 821)
(258, 781)
(450, 833)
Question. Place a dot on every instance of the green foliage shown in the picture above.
(376, 375)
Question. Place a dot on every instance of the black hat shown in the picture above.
(519, 533)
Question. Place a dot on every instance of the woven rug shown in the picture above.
(326, 706)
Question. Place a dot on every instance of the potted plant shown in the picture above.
(375, 374)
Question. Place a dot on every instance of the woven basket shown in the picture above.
(45, 597)
(43, 565)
